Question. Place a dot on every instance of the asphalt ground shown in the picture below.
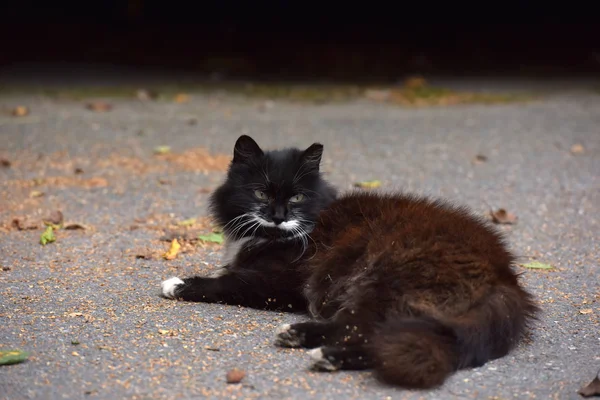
(87, 306)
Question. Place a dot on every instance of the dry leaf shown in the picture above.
(24, 224)
(187, 222)
(501, 216)
(586, 311)
(20, 111)
(99, 106)
(75, 314)
(78, 171)
(74, 226)
(5, 163)
(182, 98)
(163, 331)
(235, 375)
(577, 149)
(162, 149)
(479, 159)
(592, 389)
(536, 265)
(415, 82)
(368, 184)
(55, 219)
(172, 253)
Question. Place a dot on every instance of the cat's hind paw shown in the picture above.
(169, 287)
(320, 362)
(286, 336)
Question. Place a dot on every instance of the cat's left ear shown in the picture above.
(313, 154)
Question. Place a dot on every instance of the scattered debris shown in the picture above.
(78, 171)
(591, 389)
(9, 357)
(55, 220)
(47, 236)
(211, 348)
(577, 149)
(368, 184)
(145, 94)
(5, 268)
(187, 222)
(163, 181)
(501, 216)
(235, 375)
(182, 98)
(213, 237)
(479, 159)
(20, 111)
(162, 149)
(74, 227)
(586, 311)
(164, 331)
(5, 163)
(536, 265)
(24, 224)
(36, 193)
(172, 253)
(99, 106)
(75, 342)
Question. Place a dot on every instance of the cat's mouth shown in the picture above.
(288, 225)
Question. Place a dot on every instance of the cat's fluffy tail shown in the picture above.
(421, 352)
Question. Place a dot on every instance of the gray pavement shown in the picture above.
(90, 287)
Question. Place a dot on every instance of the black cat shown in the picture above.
(412, 288)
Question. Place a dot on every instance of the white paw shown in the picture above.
(285, 336)
(168, 287)
(320, 363)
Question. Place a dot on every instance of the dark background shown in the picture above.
(297, 40)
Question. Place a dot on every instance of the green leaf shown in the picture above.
(74, 342)
(212, 237)
(47, 236)
(537, 265)
(368, 184)
(187, 222)
(9, 357)
(162, 149)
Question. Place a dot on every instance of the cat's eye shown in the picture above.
(261, 195)
(297, 198)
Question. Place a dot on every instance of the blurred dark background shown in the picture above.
(296, 40)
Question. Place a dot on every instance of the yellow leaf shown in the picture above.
(182, 98)
(172, 253)
(368, 184)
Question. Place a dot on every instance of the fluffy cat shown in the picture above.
(412, 288)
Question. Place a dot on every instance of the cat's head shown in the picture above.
(274, 194)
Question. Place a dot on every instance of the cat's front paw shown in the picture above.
(286, 336)
(169, 287)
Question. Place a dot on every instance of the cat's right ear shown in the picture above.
(245, 149)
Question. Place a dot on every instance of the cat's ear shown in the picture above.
(245, 149)
(312, 155)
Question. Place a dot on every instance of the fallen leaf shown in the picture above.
(172, 253)
(213, 237)
(47, 236)
(9, 357)
(75, 314)
(74, 226)
(99, 106)
(501, 216)
(24, 224)
(536, 265)
(55, 220)
(163, 331)
(187, 222)
(75, 342)
(36, 193)
(145, 95)
(76, 354)
(577, 149)
(235, 375)
(586, 311)
(182, 98)
(5, 163)
(20, 111)
(368, 184)
(591, 389)
(479, 159)
(162, 149)
(415, 82)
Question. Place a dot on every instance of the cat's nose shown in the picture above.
(278, 215)
(277, 220)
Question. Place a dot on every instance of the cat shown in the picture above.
(409, 287)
